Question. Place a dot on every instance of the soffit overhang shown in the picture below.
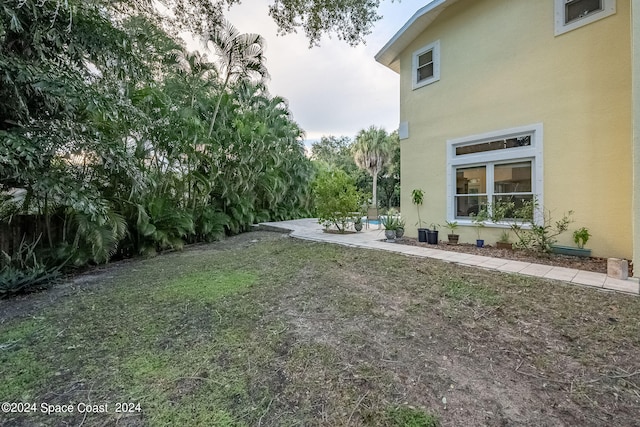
(389, 55)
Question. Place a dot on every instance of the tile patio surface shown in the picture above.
(309, 229)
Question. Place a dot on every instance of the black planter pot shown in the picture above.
(422, 234)
(432, 237)
(480, 243)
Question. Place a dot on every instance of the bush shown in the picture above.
(537, 236)
(336, 197)
(24, 272)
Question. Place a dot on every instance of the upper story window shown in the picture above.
(426, 65)
(572, 14)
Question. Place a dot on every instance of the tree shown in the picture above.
(349, 20)
(240, 56)
(335, 152)
(104, 123)
(389, 182)
(372, 151)
(336, 197)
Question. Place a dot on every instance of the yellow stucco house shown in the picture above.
(519, 99)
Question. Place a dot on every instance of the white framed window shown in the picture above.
(426, 65)
(572, 14)
(501, 166)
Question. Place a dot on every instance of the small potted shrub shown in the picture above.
(357, 223)
(417, 197)
(452, 236)
(400, 227)
(432, 234)
(478, 223)
(505, 241)
(390, 225)
(580, 238)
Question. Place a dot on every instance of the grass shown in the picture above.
(270, 331)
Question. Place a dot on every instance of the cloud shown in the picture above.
(333, 89)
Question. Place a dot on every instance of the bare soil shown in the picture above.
(596, 264)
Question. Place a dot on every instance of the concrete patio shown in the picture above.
(309, 229)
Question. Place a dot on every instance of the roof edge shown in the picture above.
(388, 55)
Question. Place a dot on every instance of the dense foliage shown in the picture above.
(340, 153)
(372, 152)
(337, 198)
(126, 143)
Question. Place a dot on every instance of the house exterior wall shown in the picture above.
(635, 25)
(501, 68)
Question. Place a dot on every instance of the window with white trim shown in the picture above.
(485, 170)
(572, 14)
(426, 65)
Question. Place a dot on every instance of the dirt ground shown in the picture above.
(353, 333)
(596, 264)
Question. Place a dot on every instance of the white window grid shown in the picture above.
(489, 159)
(435, 48)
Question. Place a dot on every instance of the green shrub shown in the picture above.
(534, 235)
(581, 237)
(336, 197)
(24, 272)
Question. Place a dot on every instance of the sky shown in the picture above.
(333, 89)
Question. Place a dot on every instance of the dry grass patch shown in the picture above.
(266, 330)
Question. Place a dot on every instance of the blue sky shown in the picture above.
(333, 89)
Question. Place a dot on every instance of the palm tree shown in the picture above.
(240, 56)
(372, 151)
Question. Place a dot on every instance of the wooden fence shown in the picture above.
(29, 228)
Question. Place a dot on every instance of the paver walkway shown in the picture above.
(309, 229)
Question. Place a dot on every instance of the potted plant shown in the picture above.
(580, 237)
(390, 225)
(478, 223)
(417, 197)
(432, 234)
(357, 223)
(504, 242)
(399, 227)
(453, 237)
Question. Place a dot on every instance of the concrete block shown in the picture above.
(618, 268)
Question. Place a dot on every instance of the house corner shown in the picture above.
(635, 73)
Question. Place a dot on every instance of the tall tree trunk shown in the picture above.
(375, 189)
(215, 112)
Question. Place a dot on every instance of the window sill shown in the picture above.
(488, 224)
(425, 83)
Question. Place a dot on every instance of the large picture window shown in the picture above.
(490, 169)
(572, 14)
